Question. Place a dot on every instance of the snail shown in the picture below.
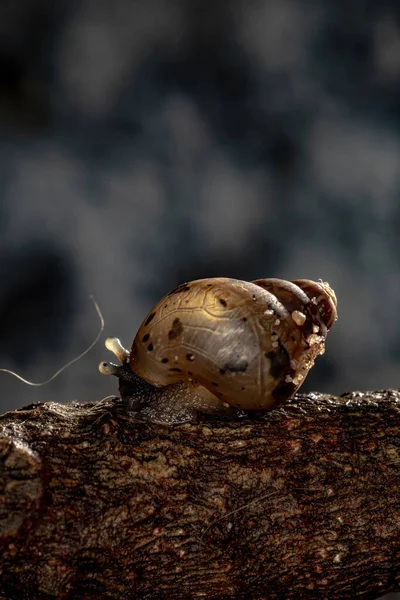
(223, 346)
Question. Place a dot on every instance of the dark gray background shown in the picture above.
(144, 144)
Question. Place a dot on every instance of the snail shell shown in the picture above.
(227, 343)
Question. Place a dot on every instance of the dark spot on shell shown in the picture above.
(293, 338)
(222, 371)
(254, 297)
(214, 384)
(181, 288)
(222, 301)
(190, 357)
(176, 329)
(164, 360)
(146, 337)
(236, 366)
(190, 373)
(150, 318)
(176, 370)
(150, 347)
(280, 362)
(243, 388)
(244, 319)
(283, 391)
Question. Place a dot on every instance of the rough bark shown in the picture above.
(302, 502)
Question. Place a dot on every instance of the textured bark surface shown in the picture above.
(300, 503)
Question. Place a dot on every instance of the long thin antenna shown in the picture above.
(71, 362)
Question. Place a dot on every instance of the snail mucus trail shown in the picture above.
(223, 346)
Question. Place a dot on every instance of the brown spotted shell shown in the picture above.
(249, 344)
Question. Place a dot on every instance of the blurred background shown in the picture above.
(144, 144)
(147, 144)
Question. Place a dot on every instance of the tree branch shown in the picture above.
(302, 502)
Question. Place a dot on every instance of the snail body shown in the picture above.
(221, 345)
